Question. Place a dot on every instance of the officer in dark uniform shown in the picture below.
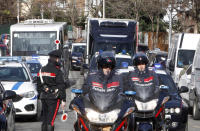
(105, 80)
(51, 88)
(143, 77)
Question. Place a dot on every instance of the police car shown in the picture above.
(34, 66)
(176, 109)
(16, 76)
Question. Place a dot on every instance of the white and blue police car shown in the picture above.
(16, 76)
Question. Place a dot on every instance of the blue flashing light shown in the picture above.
(157, 65)
(77, 91)
(130, 92)
(124, 64)
(100, 51)
(35, 57)
(12, 58)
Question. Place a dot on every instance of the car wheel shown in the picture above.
(196, 112)
(39, 111)
(81, 71)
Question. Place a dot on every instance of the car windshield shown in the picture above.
(29, 43)
(79, 49)
(121, 61)
(160, 58)
(167, 81)
(13, 74)
(34, 67)
(185, 57)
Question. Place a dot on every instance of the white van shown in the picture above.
(181, 53)
(194, 85)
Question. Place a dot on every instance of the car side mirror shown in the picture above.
(183, 89)
(8, 94)
(85, 66)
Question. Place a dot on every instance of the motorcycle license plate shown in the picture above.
(106, 128)
(167, 116)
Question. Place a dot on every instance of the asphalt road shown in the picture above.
(26, 124)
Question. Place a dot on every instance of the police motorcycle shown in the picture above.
(102, 114)
(148, 115)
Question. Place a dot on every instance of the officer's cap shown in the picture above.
(55, 53)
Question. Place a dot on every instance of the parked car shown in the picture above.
(7, 110)
(77, 52)
(16, 76)
(176, 109)
(157, 56)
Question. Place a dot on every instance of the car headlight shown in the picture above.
(29, 94)
(146, 106)
(96, 117)
(172, 110)
(167, 111)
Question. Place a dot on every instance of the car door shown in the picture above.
(185, 81)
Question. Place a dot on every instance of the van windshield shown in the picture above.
(185, 57)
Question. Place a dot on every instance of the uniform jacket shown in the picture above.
(146, 82)
(53, 79)
(97, 84)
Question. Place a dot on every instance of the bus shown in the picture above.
(37, 37)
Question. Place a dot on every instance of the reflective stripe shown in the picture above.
(135, 79)
(47, 74)
(148, 79)
(113, 84)
(17, 85)
(95, 84)
(55, 113)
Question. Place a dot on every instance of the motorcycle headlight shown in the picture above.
(172, 110)
(29, 94)
(177, 110)
(96, 117)
(146, 106)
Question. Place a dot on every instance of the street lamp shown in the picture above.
(17, 11)
(103, 8)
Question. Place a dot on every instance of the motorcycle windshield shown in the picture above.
(145, 94)
(103, 101)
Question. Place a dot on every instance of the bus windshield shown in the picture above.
(29, 43)
(117, 47)
(185, 57)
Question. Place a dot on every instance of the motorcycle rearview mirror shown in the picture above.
(130, 93)
(77, 91)
(164, 88)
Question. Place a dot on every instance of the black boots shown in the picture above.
(44, 127)
(47, 127)
(50, 128)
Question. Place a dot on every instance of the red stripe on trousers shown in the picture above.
(82, 122)
(120, 126)
(55, 113)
